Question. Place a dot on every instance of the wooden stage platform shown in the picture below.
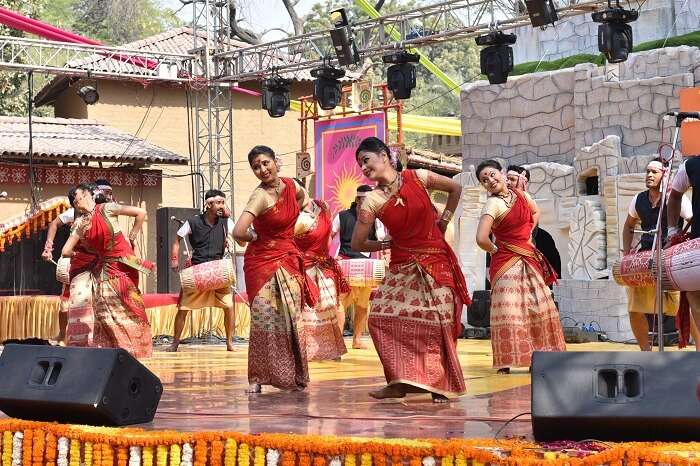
(204, 390)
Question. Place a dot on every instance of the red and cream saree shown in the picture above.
(415, 315)
(322, 336)
(110, 295)
(278, 288)
(523, 315)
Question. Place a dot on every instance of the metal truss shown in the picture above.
(212, 111)
(427, 25)
(43, 56)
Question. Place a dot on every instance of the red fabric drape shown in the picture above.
(47, 31)
(412, 220)
(314, 246)
(275, 246)
(514, 241)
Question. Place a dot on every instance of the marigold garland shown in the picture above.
(122, 456)
(175, 454)
(147, 456)
(288, 458)
(87, 453)
(22, 441)
(38, 438)
(200, 453)
(74, 453)
(7, 448)
(217, 453)
(107, 455)
(243, 455)
(230, 452)
(162, 455)
(51, 449)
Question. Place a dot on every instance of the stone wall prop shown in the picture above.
(587, 240)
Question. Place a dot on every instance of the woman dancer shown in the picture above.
(275, 277)
(415, 317)
(112, 290)
(324, 340)
(523, 315)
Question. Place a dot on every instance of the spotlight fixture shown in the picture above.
(541, 12)
(614, 34)
(88, 94)
(275, 96)
(401, 76)
(496, 56)
(327, 90)
(342, 38)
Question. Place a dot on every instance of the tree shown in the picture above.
(117, 22)
(13, 85)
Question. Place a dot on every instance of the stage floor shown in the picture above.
(204, 390)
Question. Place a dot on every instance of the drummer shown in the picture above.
(687, 177)
(209, 234)
(359, 296)
(644, 208)
(102, 193)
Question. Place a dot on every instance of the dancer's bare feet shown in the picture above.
(357, 344)
(173, 347)
(437, 398)
(229, 346)
(254, 388)
(390, 391)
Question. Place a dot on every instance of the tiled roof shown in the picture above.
(62, 139)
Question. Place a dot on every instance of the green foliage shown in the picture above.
(113, 22)
(691, 39)
(13, 85)
(117, 22)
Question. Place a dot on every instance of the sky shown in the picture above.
(261, 15)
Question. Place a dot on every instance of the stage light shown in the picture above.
(401, 76)
(614, 34)
(497, 56)
(275, 96)
(327, 89)
(342, 38)
(88, 94)
(541, 12)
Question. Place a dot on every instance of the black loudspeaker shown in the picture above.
(96, 386)
(479, 311)
(166, 231)
(618, 396)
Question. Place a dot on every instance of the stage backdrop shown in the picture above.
(337, 172)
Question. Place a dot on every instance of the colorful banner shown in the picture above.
(337, 172)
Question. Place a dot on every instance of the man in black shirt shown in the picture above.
(208, 233)
(644, 208)
(359, 296)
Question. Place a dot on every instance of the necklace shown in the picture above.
(277, 188)
(388, 188)
(510, 197)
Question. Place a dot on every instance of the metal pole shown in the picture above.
(658, 243)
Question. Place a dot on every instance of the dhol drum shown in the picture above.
(63, 270)
(363, 272)
(206, 276)
(681, 268)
